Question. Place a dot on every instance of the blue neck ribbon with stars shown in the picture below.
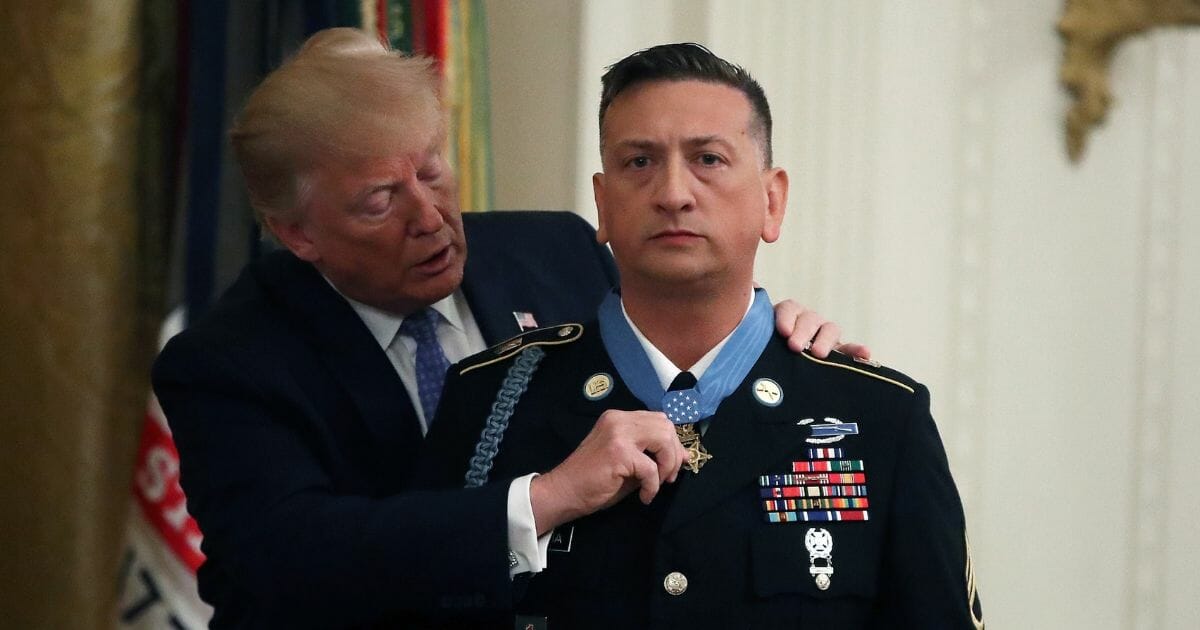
(727, 371)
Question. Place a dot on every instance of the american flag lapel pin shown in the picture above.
(525, 321)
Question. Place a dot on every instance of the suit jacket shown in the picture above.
(905, 566)
(297, 439)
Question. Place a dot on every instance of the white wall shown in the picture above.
(534, 72)
(935, 215)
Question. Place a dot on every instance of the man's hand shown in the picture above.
(626, 451)
(807, 330)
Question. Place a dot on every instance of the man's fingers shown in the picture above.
(855, 350)
(646, 471)
(807, 328)
(681, 456)
(786, 314)
(826, 339)
(662, 444)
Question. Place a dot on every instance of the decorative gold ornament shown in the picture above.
(1091, 30)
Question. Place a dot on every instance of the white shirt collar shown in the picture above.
(663, 367)
(384, 325)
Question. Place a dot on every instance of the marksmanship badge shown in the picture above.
(819, 543)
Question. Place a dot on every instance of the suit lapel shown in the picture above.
(493, 299)
(328, 322)
(746, 438)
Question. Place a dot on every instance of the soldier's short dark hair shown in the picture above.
(682, 62)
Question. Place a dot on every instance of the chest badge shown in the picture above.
(829, 430)
(819, 543)
(767, 392)
(597, 386)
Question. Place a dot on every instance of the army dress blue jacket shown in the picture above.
(828, 501)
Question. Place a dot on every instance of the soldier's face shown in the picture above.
(385, 231)
(684, 198)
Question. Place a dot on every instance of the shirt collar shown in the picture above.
(663, 367)
(384, 325)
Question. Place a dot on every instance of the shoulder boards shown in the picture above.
(549, 336)
(866, 367)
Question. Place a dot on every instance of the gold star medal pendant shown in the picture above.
(698, 456)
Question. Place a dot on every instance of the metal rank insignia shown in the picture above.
(698, 456)
(819, 543)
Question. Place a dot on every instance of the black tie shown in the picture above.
(683, 381)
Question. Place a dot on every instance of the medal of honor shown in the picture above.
(685, 406)
(698, 456)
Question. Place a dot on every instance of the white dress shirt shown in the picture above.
(664, 368)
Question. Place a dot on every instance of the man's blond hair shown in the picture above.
(343, 97)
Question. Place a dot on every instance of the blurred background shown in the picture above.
(934, 213)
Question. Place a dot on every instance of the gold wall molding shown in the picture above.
(1092, 30)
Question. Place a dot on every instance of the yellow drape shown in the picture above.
(74, 285)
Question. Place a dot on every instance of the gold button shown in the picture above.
(675, 583)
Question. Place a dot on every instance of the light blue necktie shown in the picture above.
(431, 362)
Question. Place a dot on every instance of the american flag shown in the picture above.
(525, 320)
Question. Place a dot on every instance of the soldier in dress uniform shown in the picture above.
(816, 493)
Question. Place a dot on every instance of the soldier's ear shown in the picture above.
(601, 210)
(775, 184)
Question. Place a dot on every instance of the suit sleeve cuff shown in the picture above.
(524, 545)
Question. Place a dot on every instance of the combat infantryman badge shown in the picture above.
(819, 543)
(698, 456)
(830, 430)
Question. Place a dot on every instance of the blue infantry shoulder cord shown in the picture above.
(515, 383)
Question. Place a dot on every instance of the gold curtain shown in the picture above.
(80, 298)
